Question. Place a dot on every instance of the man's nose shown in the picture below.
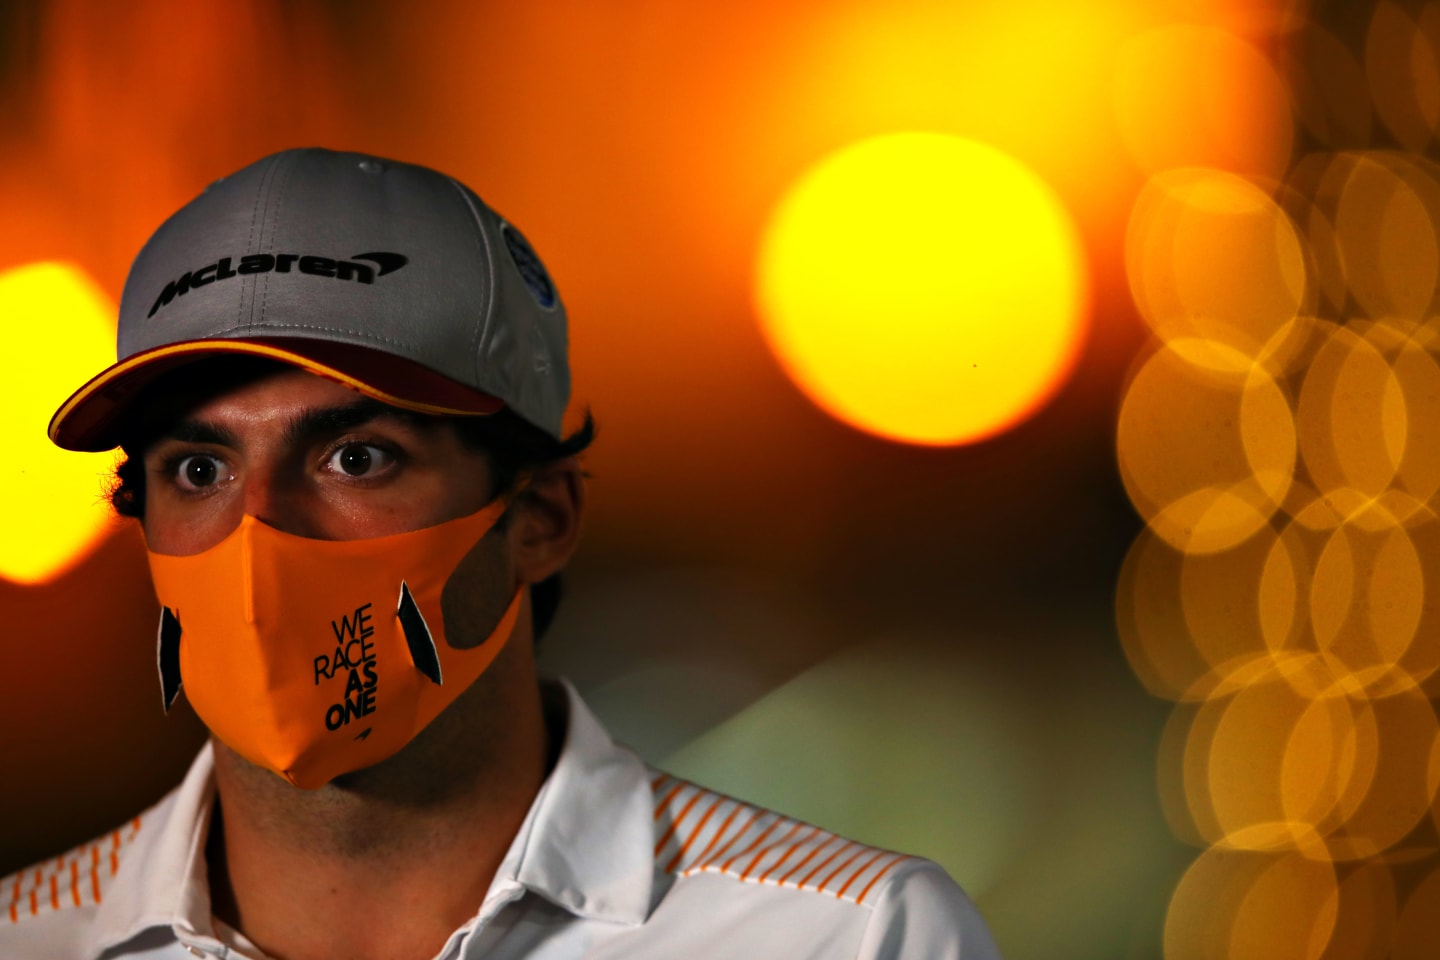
(277, 498)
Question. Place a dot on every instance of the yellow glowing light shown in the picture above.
(59, 333)
(924, 288)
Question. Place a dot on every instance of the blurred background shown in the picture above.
(1018, 427)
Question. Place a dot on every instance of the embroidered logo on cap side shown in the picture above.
(532, 271)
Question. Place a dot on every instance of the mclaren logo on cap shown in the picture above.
(225, 268)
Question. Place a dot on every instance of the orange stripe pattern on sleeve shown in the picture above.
(699, 831)
(76, 878)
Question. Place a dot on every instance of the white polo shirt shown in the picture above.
(614, 860)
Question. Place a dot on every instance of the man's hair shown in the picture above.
(511, 446)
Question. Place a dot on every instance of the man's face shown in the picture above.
(308, 456)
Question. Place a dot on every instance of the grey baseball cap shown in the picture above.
(391, 278)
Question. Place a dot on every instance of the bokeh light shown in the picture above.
(1196, 95)
(1385, 208)
(1244, 904)
(1329, 85)
(1367, 906)
(1402, 61)
(1221, 484)
(1417, 935)
(924, 288)
(1212, 256)
(1281, 438)
(60, 332)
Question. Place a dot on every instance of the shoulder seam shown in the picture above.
(702, 831)
(75, 878)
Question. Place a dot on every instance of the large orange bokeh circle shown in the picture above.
(923, 287)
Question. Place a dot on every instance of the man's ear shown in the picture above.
(544, 528)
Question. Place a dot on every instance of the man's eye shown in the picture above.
(197, 471)
(359, 459)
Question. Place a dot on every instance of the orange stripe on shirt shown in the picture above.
(865, 865)
(807, 858)
(695, 831)
(675, 824)
(660, 807)
(34, 903)
(655, 784)
(114, 863)
(745, 874)
(880, 873)
(704, 864)
(725, 868)
(786, 856)
(95, 885)
(823, 863)
(75, 880)
(838, 870)
(718, 834)
(54, 891)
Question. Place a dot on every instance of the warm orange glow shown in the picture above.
(1403, 68)
(1385, 233)
(1223, 483)
(60, 332)
(1416, 935)
(1210, 255)
(1191, 95)
(1289, 597)
(1240, 904)
(923, 287)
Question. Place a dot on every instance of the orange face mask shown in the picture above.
(314, 658)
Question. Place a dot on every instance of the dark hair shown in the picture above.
(510, 445)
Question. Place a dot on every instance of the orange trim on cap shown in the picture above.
(90, 391)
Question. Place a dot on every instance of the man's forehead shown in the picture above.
(275, 394)
(233, 393)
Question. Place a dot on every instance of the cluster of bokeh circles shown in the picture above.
(1281, 439)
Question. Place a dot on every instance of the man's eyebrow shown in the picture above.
(327, 421)
(199, 431)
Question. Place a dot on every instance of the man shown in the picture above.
(340, 388)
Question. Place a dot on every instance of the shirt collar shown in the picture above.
(162, 878)
(585, 843)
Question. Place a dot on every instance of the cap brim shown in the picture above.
(91, 418)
